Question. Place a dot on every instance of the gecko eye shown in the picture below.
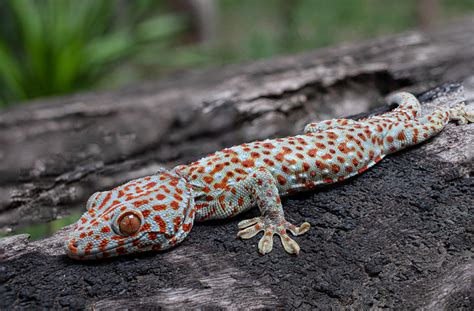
(129, 223)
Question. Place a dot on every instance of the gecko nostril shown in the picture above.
(75, 244)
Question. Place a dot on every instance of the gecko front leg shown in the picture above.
(262, 186)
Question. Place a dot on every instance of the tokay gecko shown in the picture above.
(157, 212)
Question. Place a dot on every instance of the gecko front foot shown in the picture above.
(271, 226)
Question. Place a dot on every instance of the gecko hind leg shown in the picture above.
(408, 106)
(418, 130)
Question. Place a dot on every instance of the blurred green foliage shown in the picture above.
(50, 47)
(58, 46)
(258, 29)
(39, 231)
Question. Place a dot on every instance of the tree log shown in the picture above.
(398, 236)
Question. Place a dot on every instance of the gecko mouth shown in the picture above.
(74, 250)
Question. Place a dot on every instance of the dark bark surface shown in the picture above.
(398, 236)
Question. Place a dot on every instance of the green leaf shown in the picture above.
(160, 27)
(107, 49)
(28, 18)
(11, 73)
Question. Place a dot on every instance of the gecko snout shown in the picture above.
(71, 247)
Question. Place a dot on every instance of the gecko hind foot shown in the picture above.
(460, 115)
(251, 227)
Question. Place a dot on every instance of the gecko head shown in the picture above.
(149, 213)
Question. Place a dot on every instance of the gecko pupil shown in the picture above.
(129, 224)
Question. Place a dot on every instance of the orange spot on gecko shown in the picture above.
(174, 205)
(286, 150)
(208, 179)
(150, 185)
(269, 162)
(281, 180)
(106, 199)
(320, 164)
(401, 136)
(280, 157)
(306, 166)
(161, 223)
(159, 207)
(371, 154)
(326, 156)
(140, 203)
(187, 227)
(103, 244)
(176, 222)
(88, 248)
(312, 152)
(248, 163)
(332, 135)
(343, 148)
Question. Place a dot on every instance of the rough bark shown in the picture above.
(398, 236)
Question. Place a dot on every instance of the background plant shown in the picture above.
(50, 47)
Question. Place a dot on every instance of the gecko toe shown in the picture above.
(301, 229)
(265, 244)
(250, 232)
(290, 246)
(248, 222)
